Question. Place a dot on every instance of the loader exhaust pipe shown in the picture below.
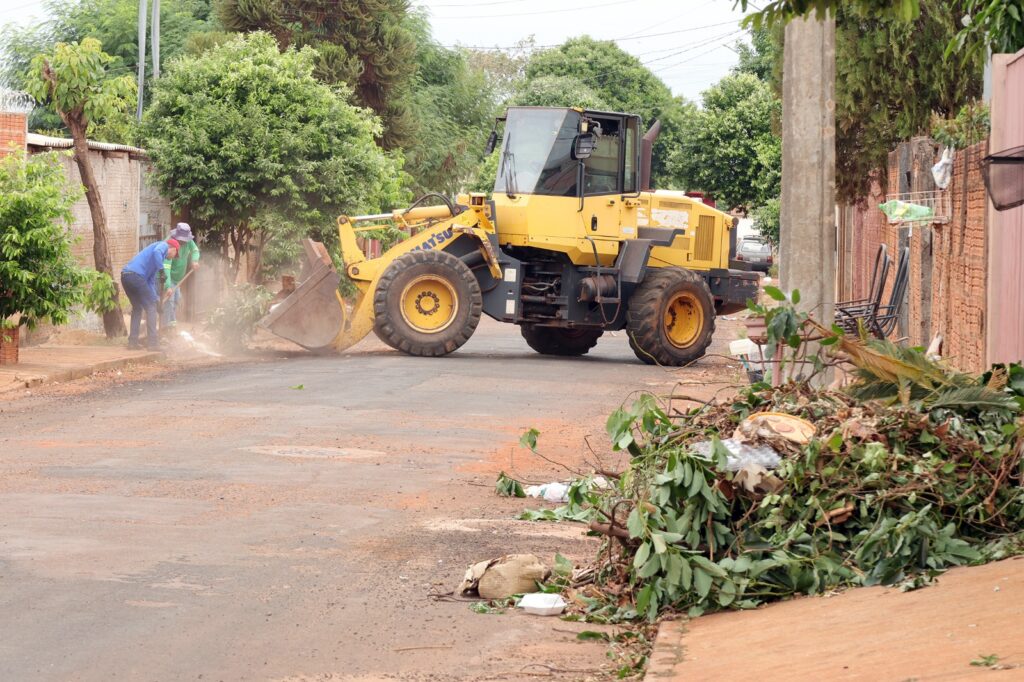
(646, 152)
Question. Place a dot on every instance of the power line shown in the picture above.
(614, 40)
(530, 14)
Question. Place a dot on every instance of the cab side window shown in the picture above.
(603, 167)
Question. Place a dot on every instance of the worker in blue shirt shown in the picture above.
(139, 282)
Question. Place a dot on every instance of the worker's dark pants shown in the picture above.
(142, 298)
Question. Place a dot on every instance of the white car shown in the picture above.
(755, 251)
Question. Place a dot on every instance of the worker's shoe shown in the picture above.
(134, 346)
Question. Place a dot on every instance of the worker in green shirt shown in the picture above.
(176, 268)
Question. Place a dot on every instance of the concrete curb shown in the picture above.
(667, 651)
(31, 380)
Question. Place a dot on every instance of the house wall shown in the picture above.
(1006, 241)
(117, 174)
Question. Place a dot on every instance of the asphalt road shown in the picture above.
(289, 519)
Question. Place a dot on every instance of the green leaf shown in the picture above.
(529, 439)
(774, 292)
(709, 566)
(659, 543)
(701, 582)
(795, 296)
(636, 523)
(592, 636)
(642, 554)
(726, 593)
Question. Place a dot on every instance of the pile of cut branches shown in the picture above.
(913, 468)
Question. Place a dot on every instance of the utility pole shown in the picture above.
(142, 55)
(808, 235)
(155, 38)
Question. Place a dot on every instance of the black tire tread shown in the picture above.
(554, 341)
(395, 333)
(644, 318)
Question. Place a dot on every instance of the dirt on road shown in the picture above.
(297, 518)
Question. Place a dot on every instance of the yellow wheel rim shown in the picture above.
(684, 319)
(429, 304)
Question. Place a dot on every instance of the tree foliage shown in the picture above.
(558, 91)
(245, 130)
(729, 149)
(114, 23)
(39, 277)
(621, 81)
(996, 24)
(367, 44)
(766, 220)
(890, 78)
(782, 11)
(454, 108)
(74, 82)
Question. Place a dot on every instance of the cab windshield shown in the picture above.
(536, 153)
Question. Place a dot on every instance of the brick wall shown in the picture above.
(947, 290)
(869, 228)
(13, 128)
(117, 174)
(960, 266)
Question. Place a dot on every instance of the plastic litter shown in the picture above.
(552, 492)
(942, 172)
(902, 210)
(741, 454)
(542, 604)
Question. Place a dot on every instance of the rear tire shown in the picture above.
(427, 303)
(558, 341)
(671, 317)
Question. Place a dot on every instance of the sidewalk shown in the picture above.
(871, 633)
(46, 364)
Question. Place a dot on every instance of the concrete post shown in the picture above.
(808, 234)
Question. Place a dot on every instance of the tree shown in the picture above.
(504, 69)
(766, 220)
(73, 81)
(623, 83)
(367, 44)
(39, 278)
(115, 24)
(996, 24)
(245, 130)
(891, 77)
(729, 149)
(763, 56)
(557, 91)
(454, 107)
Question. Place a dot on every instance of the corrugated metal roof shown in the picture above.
(36, 140)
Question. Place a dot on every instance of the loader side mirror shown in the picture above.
(492, 142)
(583, 146)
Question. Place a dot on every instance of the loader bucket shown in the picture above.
(312, 315)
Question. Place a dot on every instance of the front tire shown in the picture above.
(427, 303)
(558, 341)
(671, 317)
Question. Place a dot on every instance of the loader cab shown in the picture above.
(563, 178)
(544, 150)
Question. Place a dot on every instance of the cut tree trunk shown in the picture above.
(113, 320)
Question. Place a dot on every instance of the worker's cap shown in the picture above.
(173, 243)
(182, 232)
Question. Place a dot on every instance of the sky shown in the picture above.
(687, 43)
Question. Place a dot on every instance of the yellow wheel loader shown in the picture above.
(572, 244)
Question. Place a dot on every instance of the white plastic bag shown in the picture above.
(942, 172)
